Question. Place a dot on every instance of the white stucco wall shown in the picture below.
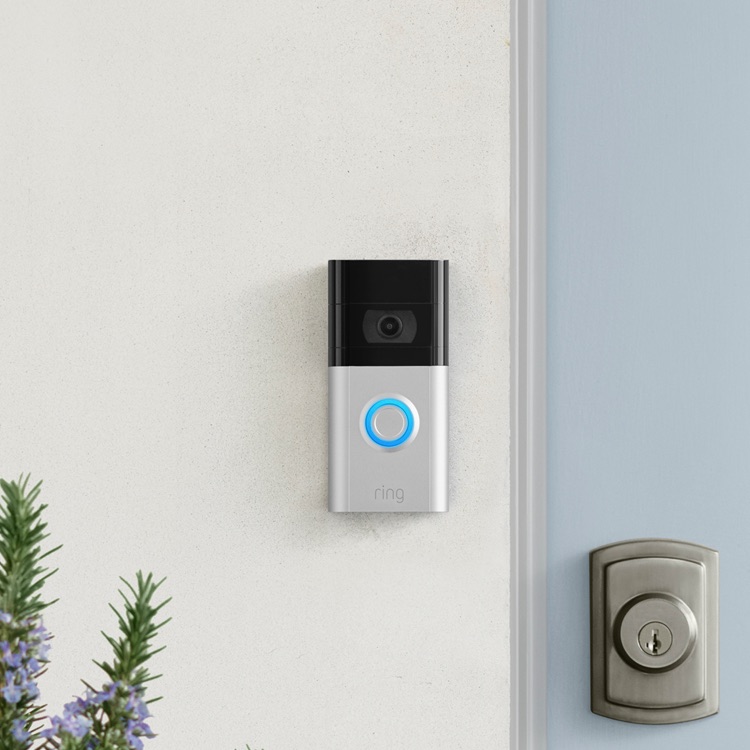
(174, 176)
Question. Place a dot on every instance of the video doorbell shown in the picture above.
(388, 385)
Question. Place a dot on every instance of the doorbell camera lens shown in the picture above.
(390, 326)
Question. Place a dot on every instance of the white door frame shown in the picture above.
(528, 381)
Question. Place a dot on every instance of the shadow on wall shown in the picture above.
(285, 328)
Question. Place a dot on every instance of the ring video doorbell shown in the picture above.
(388, 385)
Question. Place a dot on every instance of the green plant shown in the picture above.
(111, 718)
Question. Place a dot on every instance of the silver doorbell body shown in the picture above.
(388, 385)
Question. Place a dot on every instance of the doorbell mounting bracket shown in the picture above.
(654, 631)
(388, 385)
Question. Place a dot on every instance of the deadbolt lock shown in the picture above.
(654, 631)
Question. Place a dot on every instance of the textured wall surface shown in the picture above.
(173, 177)
(649, 364)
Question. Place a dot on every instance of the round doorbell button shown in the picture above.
(389, 422)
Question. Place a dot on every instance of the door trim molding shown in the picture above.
(528, 377)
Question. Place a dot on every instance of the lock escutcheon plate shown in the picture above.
(633, 586)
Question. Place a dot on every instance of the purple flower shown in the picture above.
(19, 730)
(127, 711)
(76, 725)
(14, 661)
(107, 693)
(12, 693)
(21, 662)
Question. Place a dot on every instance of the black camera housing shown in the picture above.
(363, 294)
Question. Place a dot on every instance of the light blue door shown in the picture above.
(649, 326)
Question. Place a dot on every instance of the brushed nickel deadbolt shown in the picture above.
(654, 631)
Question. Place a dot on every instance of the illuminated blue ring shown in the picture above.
(403, 437)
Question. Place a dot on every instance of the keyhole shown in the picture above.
(653, 645)
(655, 638)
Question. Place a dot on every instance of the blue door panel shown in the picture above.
(649, 325)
